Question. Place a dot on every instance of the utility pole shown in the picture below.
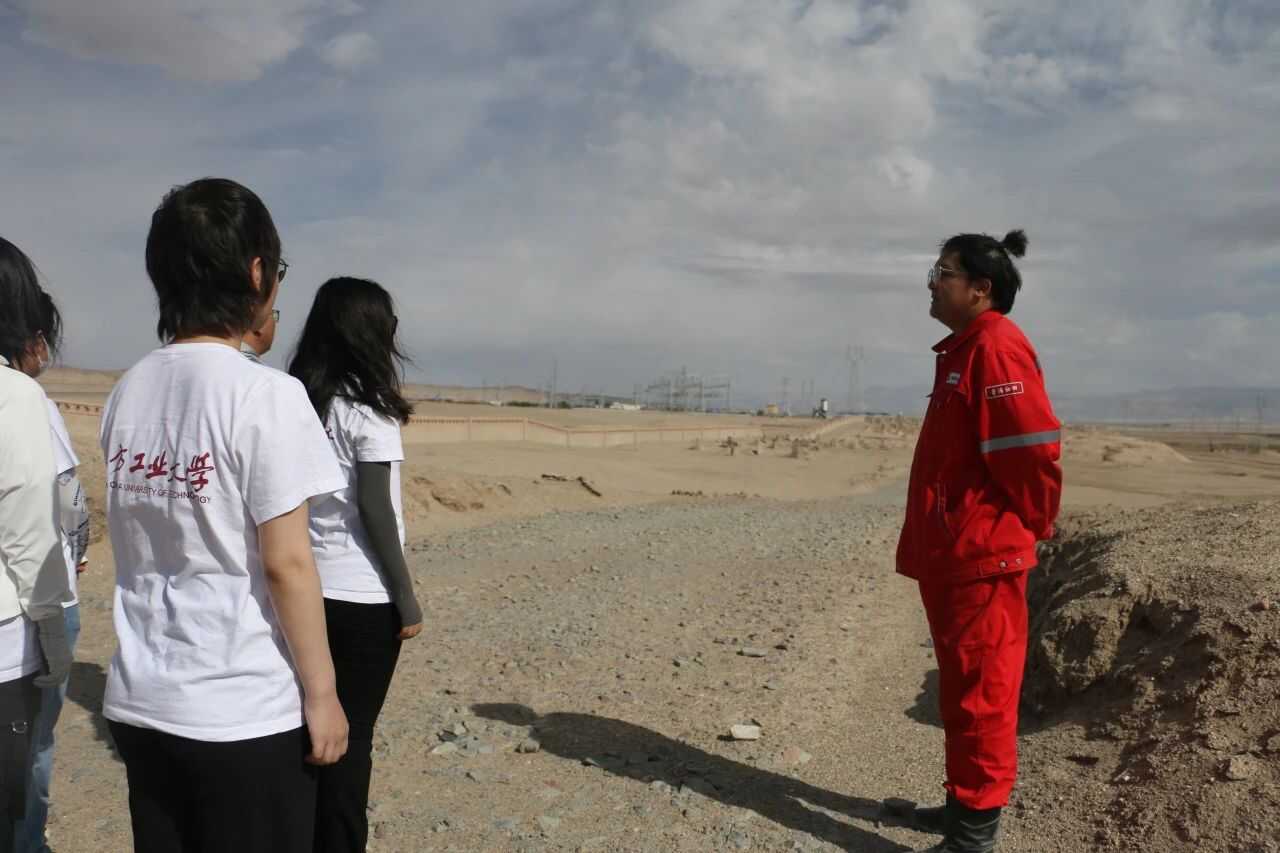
(853, 356)
(1262, 413)
(555, 375)
(786, 405)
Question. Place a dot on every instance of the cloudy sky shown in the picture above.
(744, 187)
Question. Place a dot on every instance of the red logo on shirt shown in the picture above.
(196, 471)
(1007, 389)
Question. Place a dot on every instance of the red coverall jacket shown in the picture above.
(985, 481)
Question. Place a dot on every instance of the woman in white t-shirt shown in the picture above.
(221, 696)
(71, 515)
(350, 364)
(33, 578)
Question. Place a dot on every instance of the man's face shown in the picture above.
(953, 301)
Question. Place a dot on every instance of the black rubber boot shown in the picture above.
(969, 830)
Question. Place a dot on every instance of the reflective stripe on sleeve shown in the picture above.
(1030, 439)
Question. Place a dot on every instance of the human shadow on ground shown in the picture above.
(634, 752)
(86, 688)
(925, 709)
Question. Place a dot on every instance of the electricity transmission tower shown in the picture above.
(682, 391)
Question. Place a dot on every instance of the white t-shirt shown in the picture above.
(202, 446)
(64, 460)
(349, 568)
(19, 649)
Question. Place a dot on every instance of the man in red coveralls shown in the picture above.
(985, 487)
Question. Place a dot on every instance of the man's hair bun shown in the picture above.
(1015, 243)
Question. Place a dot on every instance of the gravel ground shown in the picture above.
(580, 673)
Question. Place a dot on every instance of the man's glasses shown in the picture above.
(275, 315)
(938, 272)
(283, 266)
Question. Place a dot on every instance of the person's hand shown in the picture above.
(408, 632)
(52, 631)
(82, 566)
(327, 726)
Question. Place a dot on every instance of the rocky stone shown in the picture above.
(446, 748)
(753, 652)
(1239, 768)
(454, 731)
(528, 746)
(744, 732)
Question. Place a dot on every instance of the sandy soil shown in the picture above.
(585, 656)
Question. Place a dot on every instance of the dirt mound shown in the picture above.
(1155, 665)
(456, 494)
(1108, 448)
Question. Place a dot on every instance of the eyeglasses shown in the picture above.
(938, 272)
(283, 266)
(275, 315)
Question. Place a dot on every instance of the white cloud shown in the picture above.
(737, 185)
(225, 41)
(350, 51)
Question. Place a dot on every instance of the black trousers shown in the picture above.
(244, 796)
(19, 703)
(364, 642)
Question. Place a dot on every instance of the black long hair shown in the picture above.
(348, 348)
(982, 256)
(28, 310)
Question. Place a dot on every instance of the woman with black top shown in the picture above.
(349, 362)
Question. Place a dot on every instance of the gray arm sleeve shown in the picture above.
(73, 514)
(373, 499)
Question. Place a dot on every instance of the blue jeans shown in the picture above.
(29, 834)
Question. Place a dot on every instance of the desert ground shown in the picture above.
(585, 655)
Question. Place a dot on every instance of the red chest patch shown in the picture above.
(1007, 389)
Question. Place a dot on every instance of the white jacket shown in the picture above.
(34, 578)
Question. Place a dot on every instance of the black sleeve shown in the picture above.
(373, 499)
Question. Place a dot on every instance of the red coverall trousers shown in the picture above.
(979, 633)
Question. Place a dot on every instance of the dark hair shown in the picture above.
(348, 348)
(982, 256)
(27, 310)
(50, 323)
(204, 237)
